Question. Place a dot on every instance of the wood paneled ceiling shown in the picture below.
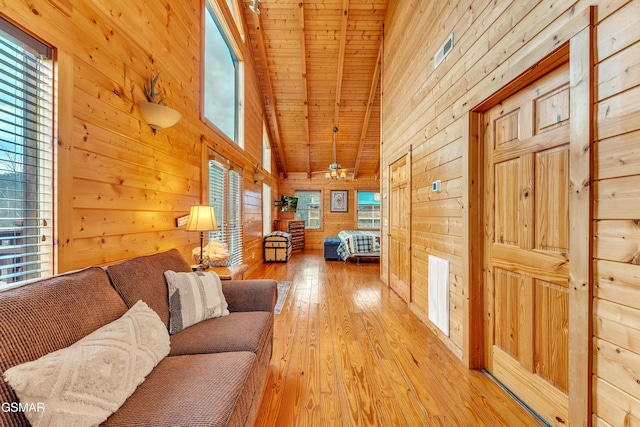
(319, 66)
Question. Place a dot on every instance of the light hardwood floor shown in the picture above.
(347, 351)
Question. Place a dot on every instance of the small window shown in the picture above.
(26, 157)
(309, 208)
(222, 103)
(368, 210)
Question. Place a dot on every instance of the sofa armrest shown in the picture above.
(250, 295)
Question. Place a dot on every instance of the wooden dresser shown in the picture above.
(293, 227)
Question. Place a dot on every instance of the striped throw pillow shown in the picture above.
(194, 297)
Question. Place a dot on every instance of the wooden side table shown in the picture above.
(235, 272)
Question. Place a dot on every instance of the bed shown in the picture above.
(358, 244)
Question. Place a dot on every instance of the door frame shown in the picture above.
(577, 49)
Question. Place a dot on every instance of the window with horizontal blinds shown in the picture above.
(235, 217)
(26, 157)
(225, 195)
(217, 172)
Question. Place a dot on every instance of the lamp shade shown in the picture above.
(202, 218)
(158, 116)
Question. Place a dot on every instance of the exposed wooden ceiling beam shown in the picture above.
(270, 101)
(343, 46)
(305, 92)
(305, 66)
(367, 114)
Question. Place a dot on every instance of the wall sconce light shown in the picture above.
(258, 176)
(254, 7)
(155, 113)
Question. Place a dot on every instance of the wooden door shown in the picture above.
(526, 247)
(399, 228)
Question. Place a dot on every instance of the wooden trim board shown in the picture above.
(581, 221)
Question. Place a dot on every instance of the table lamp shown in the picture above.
(201, 218)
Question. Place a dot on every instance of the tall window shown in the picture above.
(221, 77)
(309, 202)
(26, 157)
(232, 8)
(266, 149)
(368, 210)
(236, 13)
(266, 208)
(225, 195)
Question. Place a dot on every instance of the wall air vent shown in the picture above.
(444, 50)
(438, 293)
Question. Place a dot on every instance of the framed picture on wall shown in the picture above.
(339, 201)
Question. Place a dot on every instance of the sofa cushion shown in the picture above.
(83, 384)
(250, 295)
(44, 316)
(142, 278)
(197, 390)
(245, 331)
(194, 297)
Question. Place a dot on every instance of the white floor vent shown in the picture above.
(439, 293)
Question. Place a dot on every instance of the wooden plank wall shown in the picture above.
(332, 222)
(616, 350)
(427, 109)
(120, 186)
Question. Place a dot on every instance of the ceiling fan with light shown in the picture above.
(335, 170)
